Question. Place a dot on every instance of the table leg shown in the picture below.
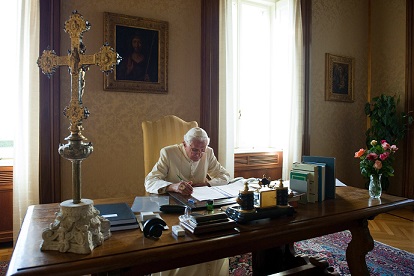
(273, 260)
(283, 259)
(358, 247)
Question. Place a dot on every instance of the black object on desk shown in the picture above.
(235, 213)
(172, 209)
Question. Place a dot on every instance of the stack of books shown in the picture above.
(314, 176)
(119, 215)
(199, 223)
(330, 173)
(308, 178)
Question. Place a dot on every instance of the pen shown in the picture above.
(180, 177)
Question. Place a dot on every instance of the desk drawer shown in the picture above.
(6, 203)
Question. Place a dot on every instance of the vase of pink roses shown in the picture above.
(376, 162)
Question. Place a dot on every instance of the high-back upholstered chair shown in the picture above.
(166, 131)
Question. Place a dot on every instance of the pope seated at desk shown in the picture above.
(180, 168)
(184, 166)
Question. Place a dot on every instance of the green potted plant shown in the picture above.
(386, 123)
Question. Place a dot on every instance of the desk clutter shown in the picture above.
(241, 201)
(198, 223)
(265, 201)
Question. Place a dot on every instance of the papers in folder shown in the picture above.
(218, 192)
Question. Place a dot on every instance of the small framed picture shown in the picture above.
(339, 78)
(142, 44)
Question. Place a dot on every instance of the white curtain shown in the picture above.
(226, 113)
(26, 142)
(291, 152)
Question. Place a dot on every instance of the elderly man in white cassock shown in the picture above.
(180, 168)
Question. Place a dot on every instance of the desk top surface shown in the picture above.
(130, 248)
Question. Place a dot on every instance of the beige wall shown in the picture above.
(114, 127)
(388, 62)
(339, 27)
(337, 128)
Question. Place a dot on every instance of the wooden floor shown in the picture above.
(395, 228)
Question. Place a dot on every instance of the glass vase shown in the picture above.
(375, 189)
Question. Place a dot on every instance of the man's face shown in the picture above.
(195, 150)
(136, 44)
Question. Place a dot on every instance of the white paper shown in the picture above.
(218, 192)
(339, 183)
(232, 189)
(206, 193)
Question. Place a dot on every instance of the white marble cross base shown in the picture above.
(77, 228)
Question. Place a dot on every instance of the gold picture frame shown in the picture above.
(142, 44)
(339, 78)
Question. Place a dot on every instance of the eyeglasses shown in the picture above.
(198, 151)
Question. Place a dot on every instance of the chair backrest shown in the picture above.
(166, 131)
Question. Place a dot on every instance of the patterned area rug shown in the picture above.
(382, 260)
(3, 267)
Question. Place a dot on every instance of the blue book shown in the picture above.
(330, 173)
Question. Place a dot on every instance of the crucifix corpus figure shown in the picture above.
(77, 228)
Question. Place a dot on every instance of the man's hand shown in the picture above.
(200, 184)
(182, 187)
(205, 183)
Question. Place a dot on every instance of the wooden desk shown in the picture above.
(350, 210)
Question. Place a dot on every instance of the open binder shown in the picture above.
(222, 195)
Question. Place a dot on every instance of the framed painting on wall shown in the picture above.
(143, 46)
(339, 78)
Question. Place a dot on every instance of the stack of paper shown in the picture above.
(199, 224)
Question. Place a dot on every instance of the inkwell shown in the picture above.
(246, 199)
(282, 195)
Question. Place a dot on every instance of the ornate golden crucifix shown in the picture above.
(76, 150)
(77, 228)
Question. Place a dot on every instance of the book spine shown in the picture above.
(320, 184)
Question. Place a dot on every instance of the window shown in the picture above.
(262, 73)
(8, 77)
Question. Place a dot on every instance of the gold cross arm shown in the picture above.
(49, 62)
(106, 59)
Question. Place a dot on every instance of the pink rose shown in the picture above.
(378, 165)
(384, 155)
(385, 145)
(372, 156)
(394, 148)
